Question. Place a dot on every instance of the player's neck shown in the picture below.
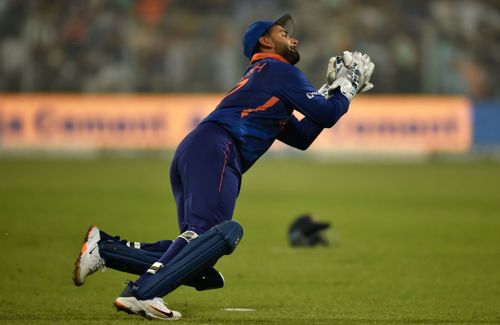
(263, 55)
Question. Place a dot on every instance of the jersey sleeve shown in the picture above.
(296, 90)
(300, 134)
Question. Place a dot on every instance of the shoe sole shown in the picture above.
(121, 307)
(76, 272)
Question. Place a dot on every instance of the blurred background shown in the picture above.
(420, 47)
(65, 67)
(95, 96)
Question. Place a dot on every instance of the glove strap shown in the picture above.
(346, 87)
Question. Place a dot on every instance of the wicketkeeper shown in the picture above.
(208, 164)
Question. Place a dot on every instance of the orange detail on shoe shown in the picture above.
(119, 305)
(270, 103)
(84, 248)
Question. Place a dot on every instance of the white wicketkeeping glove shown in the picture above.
(351, 72)
(336, 67)
(335, 64)
(344, 73)
(368, 67)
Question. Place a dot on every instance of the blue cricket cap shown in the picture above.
(257, 29)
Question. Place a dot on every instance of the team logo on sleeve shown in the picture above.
(312, 94)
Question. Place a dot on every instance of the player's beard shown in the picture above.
(291, 55)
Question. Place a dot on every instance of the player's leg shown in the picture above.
(89, 260)
(205, 178)
(197, 255)
(193, 171)
(121, 257)
(178, 191)
(210, 176)
(100, 249)
(130, 257)
(138, 262)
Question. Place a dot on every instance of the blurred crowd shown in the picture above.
(418, 46)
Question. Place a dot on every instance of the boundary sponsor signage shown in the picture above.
(402, 124)
(373, 123)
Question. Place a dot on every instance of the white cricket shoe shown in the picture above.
(151, 309)
(89, 260)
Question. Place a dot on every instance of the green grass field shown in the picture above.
(413, 243)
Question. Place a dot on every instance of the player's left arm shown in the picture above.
(300, 134)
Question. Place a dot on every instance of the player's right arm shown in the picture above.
(298, 92)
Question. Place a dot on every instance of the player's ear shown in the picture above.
(266, 42)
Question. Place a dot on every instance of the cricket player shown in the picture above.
(208, 165)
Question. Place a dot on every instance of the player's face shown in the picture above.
(284, 44)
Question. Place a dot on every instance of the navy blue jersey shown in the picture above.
(259, 109)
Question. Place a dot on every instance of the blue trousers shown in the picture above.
(205, 176)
